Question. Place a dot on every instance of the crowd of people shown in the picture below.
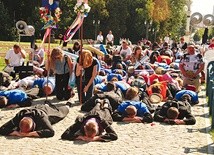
(138, 83)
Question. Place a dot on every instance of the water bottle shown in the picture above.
(72, 80)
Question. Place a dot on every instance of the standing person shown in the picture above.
(100, 38)
(14, 57)
(88, 65)
(191, 66)
(64, 44)
(76, 48)
(110, 38)
(211, 46)
(182, 44)
(62, 66)
(35, 122)
(167, 38)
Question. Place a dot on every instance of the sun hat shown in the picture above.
(155, 98)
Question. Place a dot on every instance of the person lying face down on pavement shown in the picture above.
(94, 125)
(35, 121)
(132, 109)
(176, 112)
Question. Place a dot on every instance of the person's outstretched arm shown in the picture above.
(110, 134)
(70, 133)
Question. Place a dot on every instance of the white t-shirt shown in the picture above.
(110, 37)
(125, 52)
(39, 52)
(192, 62)
(14, 59)
(166, 39)
(27, 81)
(100, 38)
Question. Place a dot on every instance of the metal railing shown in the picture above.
(210, 89)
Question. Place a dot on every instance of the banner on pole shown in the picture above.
(82, 9)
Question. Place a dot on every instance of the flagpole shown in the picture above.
(48, 59)
(80, 62)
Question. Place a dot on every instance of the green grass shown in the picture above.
(2, 63)
(6, 45)
(212, 134)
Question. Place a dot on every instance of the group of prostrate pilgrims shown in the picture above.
(130, 83)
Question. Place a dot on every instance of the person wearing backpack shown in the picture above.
(62, 66)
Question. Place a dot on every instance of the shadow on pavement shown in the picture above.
(202, 130)
(77, 142)
(203, 149)
(202, 115)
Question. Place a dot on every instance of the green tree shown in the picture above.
(197, 36)
(175, 24)
(118, 14)
(96, 18)
(6, 29)
(126, 18)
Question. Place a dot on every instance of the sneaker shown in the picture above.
(69, 104)
(106, 103)
(99, 102)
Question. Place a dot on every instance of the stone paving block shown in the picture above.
(133, 138)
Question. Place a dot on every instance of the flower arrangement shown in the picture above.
(48, 19)
(82, 8)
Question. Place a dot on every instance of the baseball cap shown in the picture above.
(191, 44)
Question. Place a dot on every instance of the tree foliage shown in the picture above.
(6, 29)
(197, 36)
(160, 10)
(126, 18)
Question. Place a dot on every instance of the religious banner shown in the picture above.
(82, 9)
(50, 16)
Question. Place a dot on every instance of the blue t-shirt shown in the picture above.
(101, 86)
(193, 95)
(116, 70)
(41, 82)
(107, 71)
(98, 79)
(140, 106)
(161, 64)
(122, 85)
(14, 96)
(98, 64)
(118, 76)
(103, 49)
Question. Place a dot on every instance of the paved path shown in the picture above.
(134, 139)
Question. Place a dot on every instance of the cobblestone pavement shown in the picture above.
(133, 138)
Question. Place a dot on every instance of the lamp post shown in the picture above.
(147, 24)
(96, 24)
(188, 13)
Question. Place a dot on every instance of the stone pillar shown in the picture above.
(188, 13)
